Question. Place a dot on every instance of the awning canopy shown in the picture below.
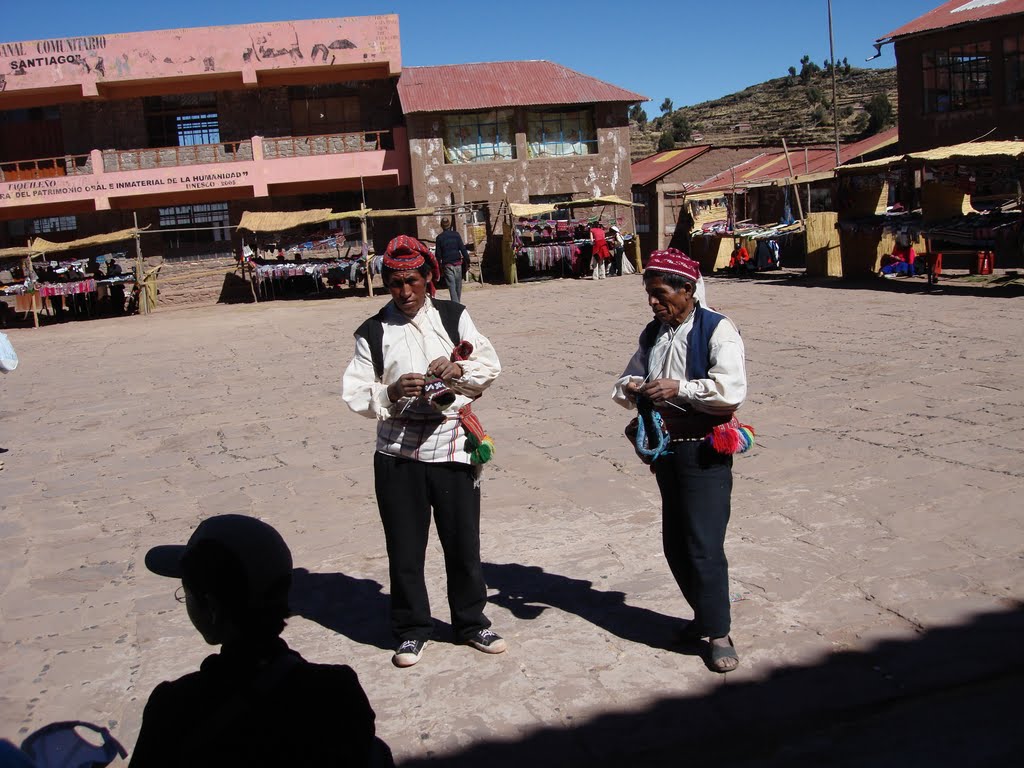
(19, 252)
(41, 246)
(398, 212)
(529, 210)
(280, 221)
(605, 200)
(978, 150)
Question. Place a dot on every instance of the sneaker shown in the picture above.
(487, 641)
(408, 653)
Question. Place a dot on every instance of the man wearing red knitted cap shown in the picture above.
(418, 364)
(687, 378)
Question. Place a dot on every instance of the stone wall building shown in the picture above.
(518, 131)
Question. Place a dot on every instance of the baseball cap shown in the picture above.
(258, 547)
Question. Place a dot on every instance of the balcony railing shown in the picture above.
(327, 144)
(169, 157)
(45, 168)
(115, 160)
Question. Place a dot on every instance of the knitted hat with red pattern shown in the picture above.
(406, 253)
(674, 262)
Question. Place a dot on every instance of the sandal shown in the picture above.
(719, 653)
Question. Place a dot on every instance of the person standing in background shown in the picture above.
(618, 249)
(451, 254)
(601, 255)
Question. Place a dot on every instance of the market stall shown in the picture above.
(325, 254)
(51, 281)
(17, 264)
(551, 240)
(960, 205)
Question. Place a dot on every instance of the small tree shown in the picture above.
(638, 115)
(814, 95)
(666, 142)
(666, 106)
(818, 114)
(846, 66)
(880, 113)
(807, 69)
(792, 71)
(681, 129)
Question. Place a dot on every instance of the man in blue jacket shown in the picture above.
(451, 255)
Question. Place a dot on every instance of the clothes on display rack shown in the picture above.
(545, 257)
(66, 289)
(316, 270)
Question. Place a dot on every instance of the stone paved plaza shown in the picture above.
(876, 544)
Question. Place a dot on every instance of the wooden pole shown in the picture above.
(366, 247)
(789, 162)
(139, 281)
(252, 273)
(832, 57)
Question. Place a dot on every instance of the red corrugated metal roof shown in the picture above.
(955, 13)
(772, 165)
(655, 166)
(458, 87)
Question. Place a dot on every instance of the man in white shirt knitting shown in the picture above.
(418, 365)
(688, 376)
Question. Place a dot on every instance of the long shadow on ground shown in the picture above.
(526, 591)
(951, 697)
(355, 608)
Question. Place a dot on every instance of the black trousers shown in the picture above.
(406, 492)
(616, 268)
(696, 494)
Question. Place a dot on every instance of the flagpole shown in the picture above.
(832, 56)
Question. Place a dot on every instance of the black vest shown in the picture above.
(373, 329)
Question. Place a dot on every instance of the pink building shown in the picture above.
(187, 128)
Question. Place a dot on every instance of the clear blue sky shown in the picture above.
(687, 50)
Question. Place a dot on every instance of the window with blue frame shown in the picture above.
(479, 137)
(560, 133)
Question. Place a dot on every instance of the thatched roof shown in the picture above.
(397, 212)
(605, 200)
(977, 150)
(19, 252)
(279, 221)
(39, 245)
(529, 210)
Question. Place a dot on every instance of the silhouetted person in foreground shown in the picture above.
(256, 703)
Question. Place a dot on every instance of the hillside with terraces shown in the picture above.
(797, 109)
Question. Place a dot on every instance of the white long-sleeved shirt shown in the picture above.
(408, 427)
(722, 392)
